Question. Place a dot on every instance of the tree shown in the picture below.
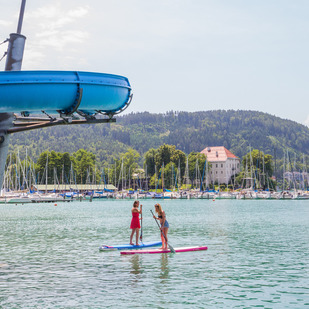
(196, 162)
(84, 163)
(259, 165)
(164, 154)
(150, 161)
(66, 166)
(41, 164)
(130, 161)
(179, 159)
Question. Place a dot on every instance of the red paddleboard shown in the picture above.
(153, 251)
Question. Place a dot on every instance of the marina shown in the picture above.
(69, 196)
(24, 182)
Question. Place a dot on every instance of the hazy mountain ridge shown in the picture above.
(188, 131)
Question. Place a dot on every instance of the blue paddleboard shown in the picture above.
(128, 246)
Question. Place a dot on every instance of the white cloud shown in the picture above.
(59, 40)
(79, 12)
(5, 23)
(33, 58)
(56, 16)
(56, 31)
(55, 21)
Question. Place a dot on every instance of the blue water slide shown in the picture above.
(63, 92)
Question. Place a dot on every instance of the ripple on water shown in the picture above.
(258, 256)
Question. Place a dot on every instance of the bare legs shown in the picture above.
(137, 236)
(131, 237)
(164, 239)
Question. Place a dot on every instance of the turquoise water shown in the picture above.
(258, 256)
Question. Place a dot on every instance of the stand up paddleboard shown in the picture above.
(128, 246)
(154, 251)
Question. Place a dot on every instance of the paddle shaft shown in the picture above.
(172, 249)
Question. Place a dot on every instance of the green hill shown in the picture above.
(236, 130)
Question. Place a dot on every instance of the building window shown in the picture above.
(216, 165)
(221, 165)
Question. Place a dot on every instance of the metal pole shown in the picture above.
(21, 16)
(14, 59)
(16, 45)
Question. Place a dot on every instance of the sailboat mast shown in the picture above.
(163, 178)
(46, 173)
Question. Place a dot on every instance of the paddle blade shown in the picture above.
(171, 248)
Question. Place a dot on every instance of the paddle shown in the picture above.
(171, 248)
(141, 236)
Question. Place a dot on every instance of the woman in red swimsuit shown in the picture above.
(135, 224)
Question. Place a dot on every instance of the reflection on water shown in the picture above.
(164, 266)
(3, 265)
(135, 264)
(137, 268)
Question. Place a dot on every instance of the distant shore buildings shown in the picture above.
(224, 163)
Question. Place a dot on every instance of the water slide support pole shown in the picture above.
(14, 60)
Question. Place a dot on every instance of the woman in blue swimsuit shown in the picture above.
(164, 225)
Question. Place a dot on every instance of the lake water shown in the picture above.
(258, 255)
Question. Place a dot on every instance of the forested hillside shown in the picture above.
(236, 130)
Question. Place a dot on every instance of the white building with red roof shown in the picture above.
(224, 164)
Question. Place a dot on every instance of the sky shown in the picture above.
(180, 55)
